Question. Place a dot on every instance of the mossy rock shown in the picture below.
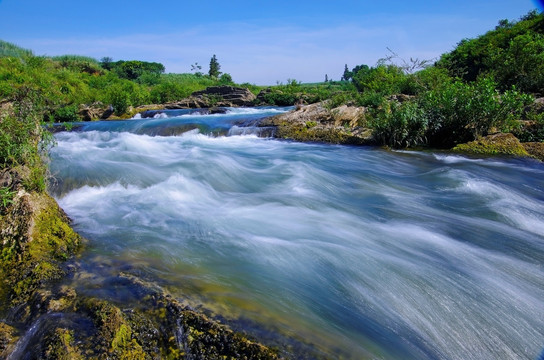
(496, 144)
(61, 345)
(535, 149)
(8, 338)
(36, 239)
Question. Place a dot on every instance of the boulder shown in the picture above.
(95, 111)
(317, 122)
(535, 149)
(495, 144)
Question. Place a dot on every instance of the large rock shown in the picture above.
(495, 144)
(94, 111)
(317, 122)
(216, 96)
(535, 149)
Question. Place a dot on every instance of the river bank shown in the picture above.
(247, 241)
(45, 316)
(322, 121)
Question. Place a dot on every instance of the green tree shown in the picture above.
(347, 74)
(214, 68)
(512, 53)
(106, 62)
(226, 79)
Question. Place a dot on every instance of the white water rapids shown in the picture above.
(360, 252)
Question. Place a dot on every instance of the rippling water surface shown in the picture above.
(360, 252)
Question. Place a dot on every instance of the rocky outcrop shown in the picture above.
(150, 324)
(535, 149)
(495, 144)
(99, 111)
(94, 111)
(216, 96)
(317, 122)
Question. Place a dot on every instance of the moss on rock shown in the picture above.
(317, 122)
(496, 144)
(36, 239)
(61, 346)
(8, 338)
(535, 149)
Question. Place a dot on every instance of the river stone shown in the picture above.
(495, 144)
(318, 122)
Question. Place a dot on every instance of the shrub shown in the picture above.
(462, 112)
(383, 79)
(119, 98)
(399, 125)
(67, 113)
(225, 79)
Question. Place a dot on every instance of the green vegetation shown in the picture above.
(512, 54)
(214, 68)
(12, 50)
(67, 82)
(485, 85)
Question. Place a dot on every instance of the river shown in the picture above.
(358, 252)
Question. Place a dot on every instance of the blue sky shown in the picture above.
(258, 41)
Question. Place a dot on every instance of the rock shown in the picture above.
(535, 149)
(90, 112)
(107, 113)
(401, 98)
(316, 122)
(217, 110)
(7, 339)
(95, 111)
(496, 144)
(216, 96)
(261, 96)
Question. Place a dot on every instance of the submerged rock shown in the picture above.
(316, 122)
(154, 326)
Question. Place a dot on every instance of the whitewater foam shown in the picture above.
(391, 255)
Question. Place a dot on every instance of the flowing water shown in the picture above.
(360, 252)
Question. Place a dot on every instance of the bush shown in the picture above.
(66, 114)
(119, 98)
(383, 79)
(23, 136)
(399, 125)
(462, 112)
(226, 79)
(280, 98)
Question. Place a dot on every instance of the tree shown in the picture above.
(326, 78)
(347, 74)
(214, 67)
(106, 62)
(196, 69)
(225, 79)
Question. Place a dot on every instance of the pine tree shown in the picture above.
(214, 67)
(347, 74)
